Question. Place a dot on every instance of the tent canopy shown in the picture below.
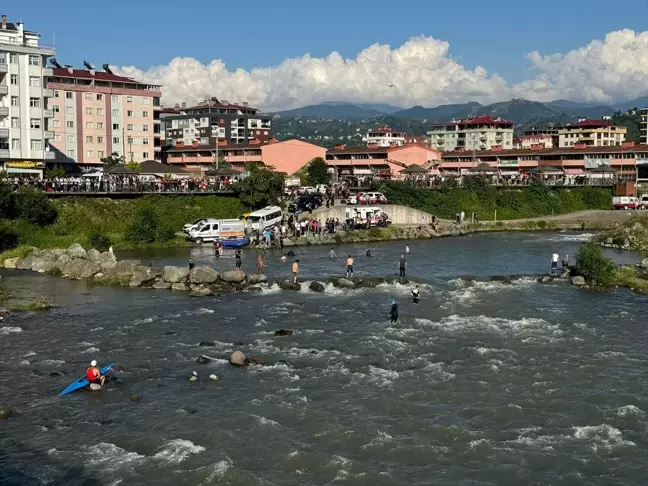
(121, 169)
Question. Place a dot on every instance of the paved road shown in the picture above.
(594, 216)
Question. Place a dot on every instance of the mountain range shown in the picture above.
(523, 113)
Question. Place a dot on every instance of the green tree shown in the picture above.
(34, 206)
(593, 265)
(134, 166)
(317, 172)
(144, 228)
(54, 173)
(113, 160)
(7, 202)
(263, 186)
(218, 162)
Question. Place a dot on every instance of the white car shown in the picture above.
(372, 198)
(189, 226)
(307, 190)
(353, 199)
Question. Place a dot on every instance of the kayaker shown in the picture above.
(93, 375)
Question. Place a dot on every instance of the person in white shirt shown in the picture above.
(407, 249)
(554, 262)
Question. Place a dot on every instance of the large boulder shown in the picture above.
(344, 283)
(256, 279)
(11, 262)
(644, 263)
(579, 281)
(124, 268)
(237, 358)
(161, 285)
(287, 242)
(179, 287)
(233, 276)
(61, 261)
(204, 274)
(80, 269)
(288, 285)
(200, 291)
(143, 276)
(44, 263)
(174, 274)
(93, 255)
(316, 286)
(107, 260)
(26, 263)
(76, 251)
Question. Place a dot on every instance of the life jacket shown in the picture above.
(92, 374)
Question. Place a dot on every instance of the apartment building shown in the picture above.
(24, 99)
(385, 137)
(97, 113)
(528, 141)
(215, 121)
(643, 127)
(592, 133)
(478, 133)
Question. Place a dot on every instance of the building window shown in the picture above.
(99, 125)
(35, 102)
(145, 141)
(57, 137)
(35, 123)
(14, 79)
(145, 128)
(88, 111)
(55, 109)
(116, 140)
(115, 126)
(89, 139)
(129, 113)
(100, 140)
(146, 100)
(99, 97)
(36, 144)
(145, 155)
(69, 95)
(15, 143)
(57, 93)
(13, 58)
(34, 81)
(90, 125)
(100, 154)
(15, 122)
(204, 141)
(156, 101)
(145, 113)
(100, 111)
(115, 98)
(70, 138)
(14, 101)
(55, 123)
(70, 153)
(34, 60)
(115, 113)
(88, 96)
(69, 110)
(129, 126)
(69, 124)
(89, 153)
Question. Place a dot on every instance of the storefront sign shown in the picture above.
(591, 163)
(25, 164)
(509, 163)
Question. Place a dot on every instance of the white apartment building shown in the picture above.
(385, 137)
(592, 133)
(24, 95)
(529, 141)
(478, 133)
(643, 127)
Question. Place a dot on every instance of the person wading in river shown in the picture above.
(237, 256)
(349, 267)
(402, 266)
(260, 262)
(393, 313)
(554, 262)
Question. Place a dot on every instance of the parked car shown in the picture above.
(189, 226)
(625, 202)
(302, 202)
(372, 198)
(353, 199)
(307, 190)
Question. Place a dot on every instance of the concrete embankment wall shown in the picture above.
(398, 214)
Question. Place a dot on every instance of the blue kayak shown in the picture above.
(83, 382)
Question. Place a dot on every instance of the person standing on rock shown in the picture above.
(295, 271)
(191, 265)
(237, 256)
(393, 313)
(260, 262)
(402, 266)
(554, 262)
(349, 267)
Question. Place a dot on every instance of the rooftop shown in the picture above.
(376, 150)
(590, 124)
(65, 72)
(548, 151)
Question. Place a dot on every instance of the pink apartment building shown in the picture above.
(97, 113)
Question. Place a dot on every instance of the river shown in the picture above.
(482, 383)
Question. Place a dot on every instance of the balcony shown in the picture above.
(4, 68)
(49, 155)
(48, 114)
(4, 111)
(4, 153)
(48, 93)
(48, 134)
(4, 133)
(4, 90)
(48, 71)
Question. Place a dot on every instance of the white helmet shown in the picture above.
(93, 363)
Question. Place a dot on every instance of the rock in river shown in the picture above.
(203, 360)
(173, 274)
(5, 412)
(343, 283)
(284, 332)
(207, 344)
(233, 276)
(316, 286)
(80, 269)
(93, 255)
(11, 262)
(179, 287)
(76, 251)
(288, 285)
(238, 359)
(257, 279)
(203, 274)
(579, 281)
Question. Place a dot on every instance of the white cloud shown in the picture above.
(421, 71)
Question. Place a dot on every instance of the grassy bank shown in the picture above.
(475, 195)
(88, 221)
(629, 235)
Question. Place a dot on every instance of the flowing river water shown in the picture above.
(482, 383)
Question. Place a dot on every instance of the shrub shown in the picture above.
(100, 242)
(7, 201)
(34, 206)
(144, 228)
(593, 265)
(8, 239)
(375, 233)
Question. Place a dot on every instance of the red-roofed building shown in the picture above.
(592, 133)
(97, 113)
(528, 141)
(478, 133)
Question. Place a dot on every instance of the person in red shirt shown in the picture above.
(93, 375)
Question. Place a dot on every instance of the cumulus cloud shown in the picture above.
(420, 72)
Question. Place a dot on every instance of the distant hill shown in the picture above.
(382, 108)
(442, 112)
(333, 111)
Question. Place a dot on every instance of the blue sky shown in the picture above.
(262, 33)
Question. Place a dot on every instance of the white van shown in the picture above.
(265, 218)
(217, 229)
